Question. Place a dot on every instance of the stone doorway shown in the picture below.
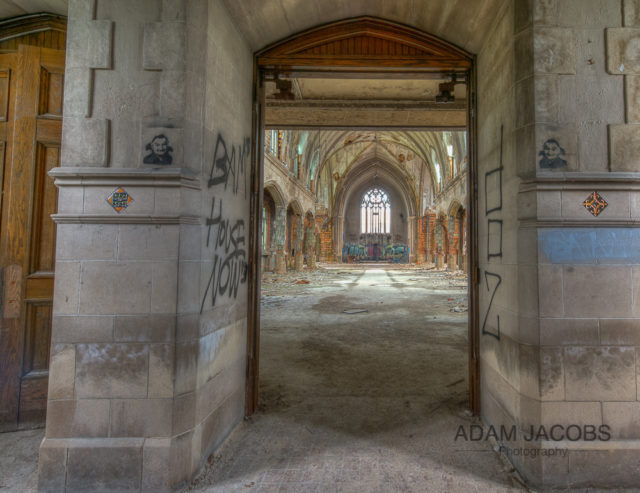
(350, 50)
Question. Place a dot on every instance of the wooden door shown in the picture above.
(32, 92)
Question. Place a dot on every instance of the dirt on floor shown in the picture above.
(363, 385)
(19, 460)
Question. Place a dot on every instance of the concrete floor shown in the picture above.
(19, 461)
(361, 402)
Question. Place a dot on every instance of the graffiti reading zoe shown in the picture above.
(551, 155)
(160, 151)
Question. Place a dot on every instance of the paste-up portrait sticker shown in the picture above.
(551, 154)
(159, 151)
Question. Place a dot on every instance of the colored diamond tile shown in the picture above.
(595, 203)
(119, 199)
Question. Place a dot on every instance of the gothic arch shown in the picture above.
(276, 193)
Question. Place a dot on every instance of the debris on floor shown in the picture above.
(303, 281)
(362, 404)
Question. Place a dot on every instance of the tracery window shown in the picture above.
(375, 212)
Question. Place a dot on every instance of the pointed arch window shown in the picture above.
(375, 212)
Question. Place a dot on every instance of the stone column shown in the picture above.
(112, 411)
(279, 239)
(338, 228)
(297, 244)
(311, 246)
(569, 172)
(148, 357)
(413, 239)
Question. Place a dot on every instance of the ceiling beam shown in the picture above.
(365, 114)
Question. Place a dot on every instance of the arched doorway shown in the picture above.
(347, 49)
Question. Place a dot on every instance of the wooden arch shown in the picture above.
(43, 30)
(364, 44)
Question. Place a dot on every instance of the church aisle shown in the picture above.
(363, 386)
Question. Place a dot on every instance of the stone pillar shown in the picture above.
(112, 405)
(412, 240)
(338, 229)
(298, 261)
(148, 356)
(279, 239)
(279, 263)
(569, 170)
(311, 259)
(311, 245)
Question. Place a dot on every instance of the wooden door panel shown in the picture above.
(38, 336)
(51, 85)
(45, 200)
(39, 280)
(11, 274)
(48, 131)
(5, 81)
(27, 237)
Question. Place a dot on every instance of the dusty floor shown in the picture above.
(19, 461)
(367, 401)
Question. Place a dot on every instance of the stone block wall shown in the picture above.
(149, 332)
(565, 355)
(149, 340)
(112, 393)
(498, 277)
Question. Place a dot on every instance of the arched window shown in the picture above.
(375, 212)
(436, 166)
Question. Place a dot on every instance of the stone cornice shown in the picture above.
(583, 181)
(124, 219)
(554, 222)
(149, 177)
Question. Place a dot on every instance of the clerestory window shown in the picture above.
(375, 212)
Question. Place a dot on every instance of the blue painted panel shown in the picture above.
(580, 246)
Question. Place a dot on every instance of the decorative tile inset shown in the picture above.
(595, 203)
(119, 199)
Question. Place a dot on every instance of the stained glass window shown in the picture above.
(375, 212)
